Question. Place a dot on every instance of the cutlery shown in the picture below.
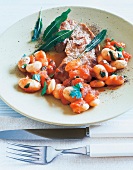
(69, 133)
(46, 154)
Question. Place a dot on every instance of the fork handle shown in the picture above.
(102, 150)
(80, 150)
(111, 150)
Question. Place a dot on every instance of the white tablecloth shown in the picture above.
(11, 12)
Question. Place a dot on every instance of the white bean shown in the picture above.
(66, 94)
(34, 67)
(23, 63)
(94, 102)
(100, 72)
(85, 107)
(56, 92)
(29, 85)
(41, 56)
(119, 64)
(106, 53)
(51, 86)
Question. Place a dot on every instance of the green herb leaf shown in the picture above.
(79, 85)
(112, 39)
(36, 77)
(54, 26)
(24, 66)
(76, 91)
(24, 56)
(102, 73)
(38, 28)
(112, 56)
(114, 73)
(55, 39)
(96, 40)
(118, 48)
(124, 76)
(27, 85)
(44, 88)
(120, 54)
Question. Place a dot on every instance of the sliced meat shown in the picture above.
(74, 47)
(60, 47)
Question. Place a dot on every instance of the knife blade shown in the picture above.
(68, 133)
(39, 134)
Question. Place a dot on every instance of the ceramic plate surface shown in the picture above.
(15, 42)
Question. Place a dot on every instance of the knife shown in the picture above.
(68, 133)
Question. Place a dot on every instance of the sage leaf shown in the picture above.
(54, 26)
(55, 39)
(95, 41)
(38, 28)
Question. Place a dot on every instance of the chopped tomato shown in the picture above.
(32, 59)
(115, 80)
(119, 44)
(86, 88)
(51, 62)
(107, 40)
(63, 100)
(44, 77)
(41, 56)
(72, 65)
(110, 47)
(79, 106)
(126, 55)
(91, 95)
(50, 70)
(76, 81)
(67, 82)
(82, 72)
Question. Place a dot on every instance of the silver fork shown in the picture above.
(46, 154)
(41, 154)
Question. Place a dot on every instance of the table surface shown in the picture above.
(11, 12)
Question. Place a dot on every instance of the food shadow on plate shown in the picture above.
(16, 72)
(17, 88)
(57, 103)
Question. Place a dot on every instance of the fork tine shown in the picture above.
(25, 155)
(24, 160)
(24, 150)
(24, 146)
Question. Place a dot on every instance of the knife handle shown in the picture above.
(111, 150)
(111, 131)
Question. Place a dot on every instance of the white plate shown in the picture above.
(15, 42)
